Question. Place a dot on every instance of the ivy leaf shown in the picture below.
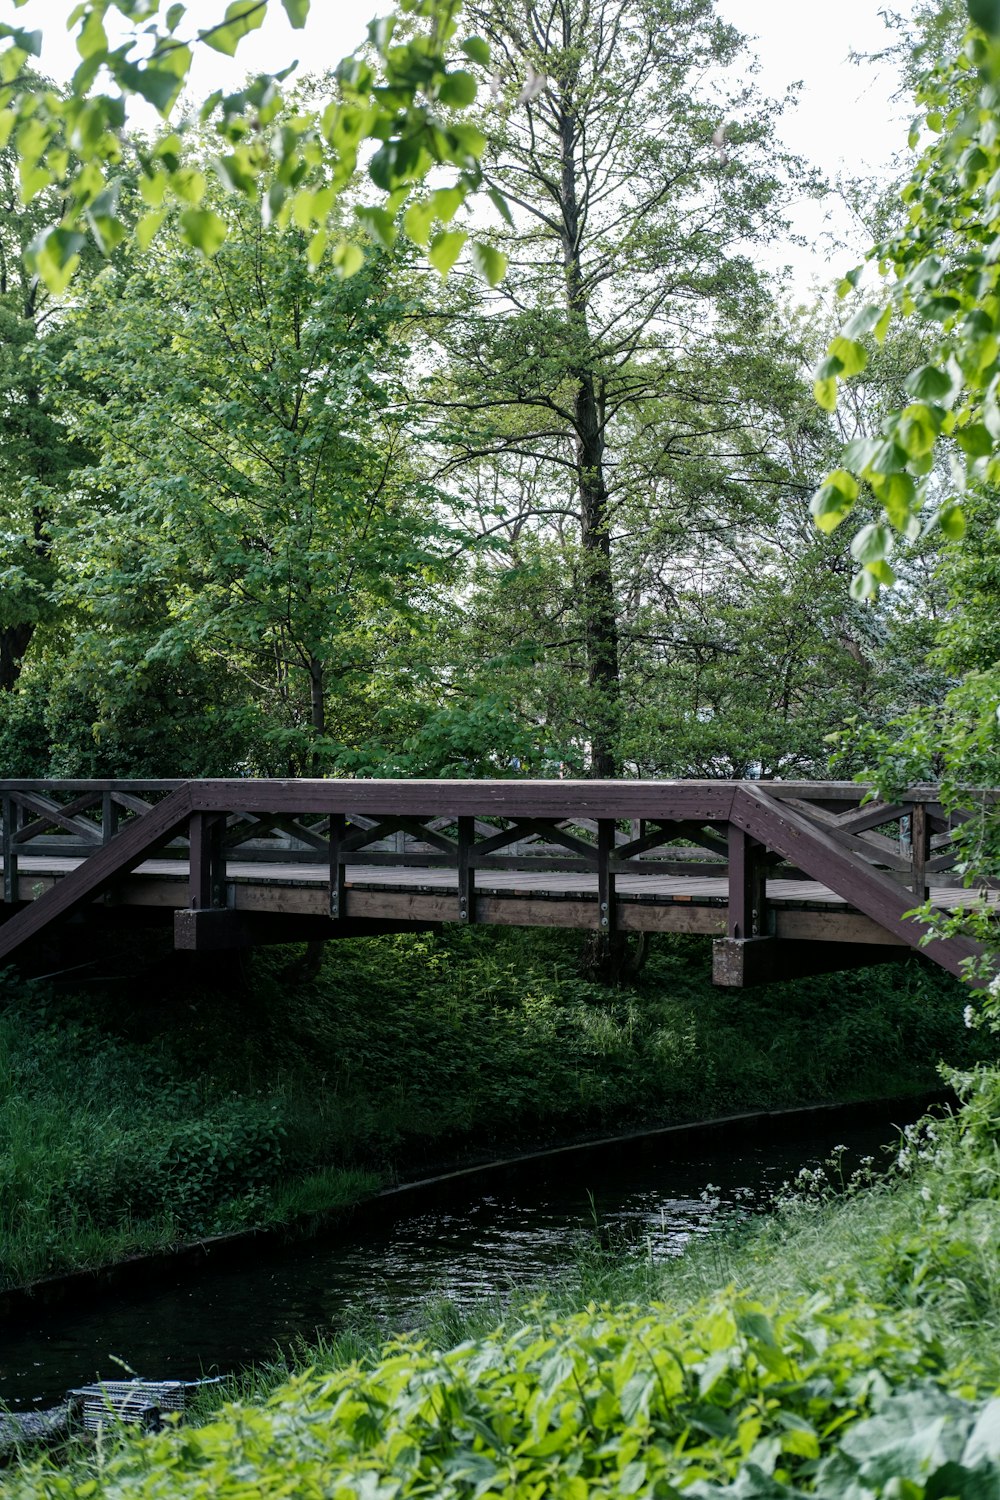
(203, 229)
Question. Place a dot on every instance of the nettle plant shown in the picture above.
(943, 268)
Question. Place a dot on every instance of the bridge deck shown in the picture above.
(652, 902)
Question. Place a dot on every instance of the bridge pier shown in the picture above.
(742, 963)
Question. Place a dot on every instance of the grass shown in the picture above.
(147, 1110)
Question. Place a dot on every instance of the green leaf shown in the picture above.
(975, 440)
(852, 355)
(297, 12)
(500, 204)
(458, 89)
(55, 255)
(203, 229)
(897, 493)
(445, 249)
(951, 520)
(825, 393)
(872, 544)
(986, 15)
(348, 258)
(93, 39)
(864, 586)
(490, 263)
(928, 383)
(379, 224)
(417, 222)
(917, 430)
(477, 49)
(149, 226)
(242, 17)
(882, 326)
(834, 500)
(863, 322)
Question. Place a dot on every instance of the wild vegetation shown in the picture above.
(278, 500)
(134, 1123)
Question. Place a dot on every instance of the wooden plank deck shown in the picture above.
(651, 902)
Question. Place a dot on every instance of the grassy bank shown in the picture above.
(847, 1347)
(150, 1105)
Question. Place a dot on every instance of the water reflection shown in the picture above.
(490, 1236)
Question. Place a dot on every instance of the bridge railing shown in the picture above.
(665, 828)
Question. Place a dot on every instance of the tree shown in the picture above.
(257, 497)
(629, 315)
(36, 453)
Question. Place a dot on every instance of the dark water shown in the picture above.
(487, 1235)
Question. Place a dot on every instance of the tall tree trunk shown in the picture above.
(600, 616)
(317, 710)
(14, 642)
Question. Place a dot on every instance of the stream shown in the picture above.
(474, 1237)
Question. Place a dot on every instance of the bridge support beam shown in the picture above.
(217, 930)
(742, 963)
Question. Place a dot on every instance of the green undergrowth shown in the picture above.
(848, 1347)
(154, 1105)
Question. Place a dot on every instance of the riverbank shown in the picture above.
(144, 1110)
(849, 1343)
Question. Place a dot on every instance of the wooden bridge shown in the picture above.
(788, 878)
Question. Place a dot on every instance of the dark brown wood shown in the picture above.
(337, 909)
(219, 930)
(466, 872)
(805, 863)
(206, 861)
(8, 848)
(920, 847)
(814, 850)
(747, 891)
(101, 870)
(606, 905)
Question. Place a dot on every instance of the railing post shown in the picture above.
(747, 888)
(109, 817)
(206, 861)
(9, 848)
(920, 848)
(338, 893)
(605, 875)
(466, 873)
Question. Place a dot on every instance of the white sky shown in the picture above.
(845, 123)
